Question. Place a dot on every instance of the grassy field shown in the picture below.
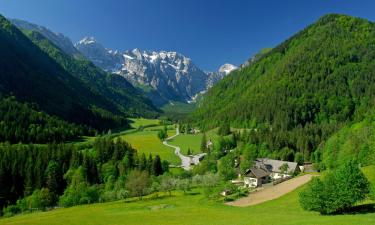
(137, 122)
(147, 142)
(190, 210)
(192, 141)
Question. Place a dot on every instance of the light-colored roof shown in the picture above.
(273, 165)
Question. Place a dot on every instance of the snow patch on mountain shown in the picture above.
(171, 75)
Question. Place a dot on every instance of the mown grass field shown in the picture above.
(193, 141)
(190, 210)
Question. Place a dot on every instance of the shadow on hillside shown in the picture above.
(359, 209)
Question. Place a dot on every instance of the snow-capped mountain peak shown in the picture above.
(227, 68)
(87, 40)
(170, 75)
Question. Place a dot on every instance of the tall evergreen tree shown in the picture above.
(143, 162)
(157, 168)
(149, 164)
(204, 143)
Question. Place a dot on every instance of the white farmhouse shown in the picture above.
(255, 177)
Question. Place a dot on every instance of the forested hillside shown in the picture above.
(32, 76)
(354, 141)
(303, 90)
(114, 88)
(23, 123)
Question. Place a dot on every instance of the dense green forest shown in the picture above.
(24, 123)
(70, 174)
(302, 91)
(354, 141)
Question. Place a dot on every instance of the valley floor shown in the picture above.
(190, 209)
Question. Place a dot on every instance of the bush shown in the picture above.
(11, 211)
(338, 192)
(78, 192)
(138, 183)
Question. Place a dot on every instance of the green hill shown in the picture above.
(303, 90)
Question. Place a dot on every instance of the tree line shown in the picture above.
(69, 174)
(23, 123)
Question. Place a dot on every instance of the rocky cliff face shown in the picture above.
(165, 76)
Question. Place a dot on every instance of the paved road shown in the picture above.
(273, 192)
(186, 161)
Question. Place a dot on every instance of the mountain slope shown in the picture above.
(164, 76)
(303, 90)
(354, 141)
(63, 42)
(114, 88)
(32, 76)
(22, 123)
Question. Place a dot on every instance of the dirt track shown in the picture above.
(272, 192)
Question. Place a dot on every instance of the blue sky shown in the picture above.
(210, 32)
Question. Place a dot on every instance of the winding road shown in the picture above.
(186, 161)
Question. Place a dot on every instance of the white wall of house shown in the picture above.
(276, 176)
(250, 182)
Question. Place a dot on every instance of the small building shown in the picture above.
(278, 169)
(209, 144)
(195, 131)
(255, 177)
(225, 192)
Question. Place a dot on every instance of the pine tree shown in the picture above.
(149, 164)
(204, 143)
(52, 176)
(143, 162)
(157, 168)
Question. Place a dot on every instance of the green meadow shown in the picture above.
(137, 122)
(147, 142)
(189, 209)
(193, 141)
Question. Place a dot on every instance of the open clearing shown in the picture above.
(193, 141)
(273, 192)
(137, 122)
(147, 142)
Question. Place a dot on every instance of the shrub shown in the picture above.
(339, 191)
(11, 211)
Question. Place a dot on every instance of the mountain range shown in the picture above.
(165, 76)
(36, 70)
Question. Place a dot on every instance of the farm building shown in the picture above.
(266, 170)
(255, 177)
(278, 169)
